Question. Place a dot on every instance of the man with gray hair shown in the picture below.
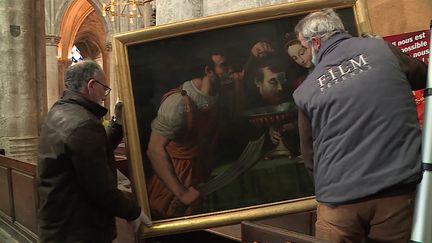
(77, 179)
(359, 132)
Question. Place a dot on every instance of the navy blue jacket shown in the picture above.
(358, 122)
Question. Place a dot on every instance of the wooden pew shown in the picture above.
(19, 199)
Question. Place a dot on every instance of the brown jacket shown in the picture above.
(77, 180)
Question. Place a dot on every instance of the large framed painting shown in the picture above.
(211, 127)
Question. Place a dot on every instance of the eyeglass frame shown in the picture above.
(106, 88)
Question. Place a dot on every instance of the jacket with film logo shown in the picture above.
(357, 118)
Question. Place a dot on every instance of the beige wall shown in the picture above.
(390, 17)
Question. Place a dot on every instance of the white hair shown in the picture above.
(322, 24)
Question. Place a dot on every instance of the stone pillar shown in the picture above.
(110, 71)
(147, 15)
(123, 24)
(212, 7)
(218, 7)
(169, 11)
(21, 76)
(63, 64)
(52, 72)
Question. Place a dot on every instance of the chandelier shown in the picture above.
(131, 9)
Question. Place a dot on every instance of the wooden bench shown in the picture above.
(19, 199)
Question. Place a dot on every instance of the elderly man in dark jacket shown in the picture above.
(359, 132)
(77, 179)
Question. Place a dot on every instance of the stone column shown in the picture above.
(21, 76)
(52, 72)
(169, 11)
(110, 71)
(123, 24)
(147, 15)
(212, 7)
(63, 64)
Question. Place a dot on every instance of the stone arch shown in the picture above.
(65, 5)
(74, 17)
(89, 47)
(91, 32)
(81, 22)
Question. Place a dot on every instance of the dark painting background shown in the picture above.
(158, 66)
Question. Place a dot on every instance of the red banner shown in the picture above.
(415, 44)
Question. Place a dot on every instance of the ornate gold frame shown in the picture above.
(122, 41)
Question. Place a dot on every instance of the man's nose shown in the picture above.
(279, 87)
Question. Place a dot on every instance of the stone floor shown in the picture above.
(6, 238)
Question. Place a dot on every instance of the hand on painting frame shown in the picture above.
(118, 112)
(142, 219)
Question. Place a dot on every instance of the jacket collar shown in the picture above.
(331, 44)
(78, 98)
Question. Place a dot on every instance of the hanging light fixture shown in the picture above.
(131, 9)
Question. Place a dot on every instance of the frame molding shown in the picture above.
(121, 43)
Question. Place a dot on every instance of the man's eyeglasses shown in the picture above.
(106, 88)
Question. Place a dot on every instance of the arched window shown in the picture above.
(76, 55)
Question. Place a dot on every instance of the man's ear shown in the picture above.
(208, 70)
(257, 83)
(86, 88)
(316, 42)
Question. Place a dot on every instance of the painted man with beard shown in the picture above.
(184, 135)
